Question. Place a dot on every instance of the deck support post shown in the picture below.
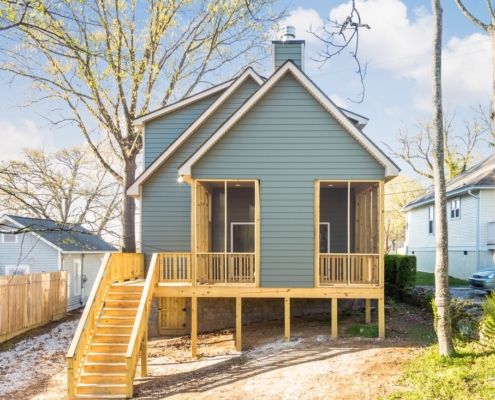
(287, 319)
(144, 354)
(381, 317)
(367, 311)
(334, 318)
(238, 324)
(194, 326)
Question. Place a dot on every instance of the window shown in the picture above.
(431, 215)
(324, 237)
(77, 269)
(455, 208)
(21, 269)
(8, 238)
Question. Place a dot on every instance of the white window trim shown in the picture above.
(451, 202)
(77, 263)
(328, 236)
(11, 268)
(3, 238)
(432, 220)
(232, 232)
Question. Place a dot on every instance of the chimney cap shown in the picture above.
(288, 33)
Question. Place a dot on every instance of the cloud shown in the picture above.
(25, 134)
(400, 41)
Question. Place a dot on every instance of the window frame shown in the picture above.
(455, 208)
(431, 220)
(232, 224)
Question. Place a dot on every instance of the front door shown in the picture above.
(172, 315)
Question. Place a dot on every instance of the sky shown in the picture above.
(397, 51)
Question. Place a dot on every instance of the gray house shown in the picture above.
(263, 182)
(45, 246)
(471, 222)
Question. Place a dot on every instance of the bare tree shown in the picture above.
(67, 186)
(398, 193)
(107, 62)
(488, 27)
(339, 37)
(460, 151)
(442, 292)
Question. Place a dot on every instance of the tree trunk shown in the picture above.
(442, 293)
(128, 240)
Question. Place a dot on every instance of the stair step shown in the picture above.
(127, 288)
(121, 303)
(102, 328)
(122, 312)
(114, 295)
(105, 367)
(102, 378)
(120, 338)
(102, 396)
(105, 357)
(99, 389)
(108, 347)
(114, 320)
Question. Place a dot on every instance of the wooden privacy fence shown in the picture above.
(28, 301)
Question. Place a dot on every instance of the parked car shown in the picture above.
(484, 279)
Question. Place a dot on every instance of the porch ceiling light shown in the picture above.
(330, 185)
(180, 179)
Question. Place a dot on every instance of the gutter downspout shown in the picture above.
(477, 228)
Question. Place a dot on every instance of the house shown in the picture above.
(256, 193)
(471, 222)
(44, 245)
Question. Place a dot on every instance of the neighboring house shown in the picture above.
(47, 246)
(471, 222)
(255, 192)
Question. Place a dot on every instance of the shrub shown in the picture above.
(487, 331)
(400, 272)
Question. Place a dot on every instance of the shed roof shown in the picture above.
(66, 237)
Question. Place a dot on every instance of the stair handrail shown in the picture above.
(141, 321)
(76, 351)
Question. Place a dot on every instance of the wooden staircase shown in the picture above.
(102, 360)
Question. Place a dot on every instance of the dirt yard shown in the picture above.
(311, 366)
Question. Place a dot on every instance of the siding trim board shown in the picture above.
(391, 168)
(135, 189)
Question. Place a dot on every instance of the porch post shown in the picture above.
(334, 317)
(381, 317)
(194, 326)
(287, 319)
(144, 354)
(367, 311)
(238, 323)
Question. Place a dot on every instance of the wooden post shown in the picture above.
(287, 319)
(368, 311)
(238, 323)
(194, 326)
(334, 318)
(144, 354)
(381, 318)
(71, 392)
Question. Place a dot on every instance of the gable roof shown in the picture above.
(391, 168)
(135, 189)
(479, 176)
(63, 237)
(139, 121)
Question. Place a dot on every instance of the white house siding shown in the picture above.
(30, 250)
(90, 263)
(462, 236)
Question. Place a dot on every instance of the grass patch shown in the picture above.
(363, 330)
(428, 279)
(470, 374)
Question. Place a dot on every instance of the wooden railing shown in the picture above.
(175, 267)
(139, 333)
(225, 268)
(349, 269)
(115, 267)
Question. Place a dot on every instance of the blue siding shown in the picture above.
(29, 250)
(287, 141)
(166, 204)
(164, 130)
(288, 51)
